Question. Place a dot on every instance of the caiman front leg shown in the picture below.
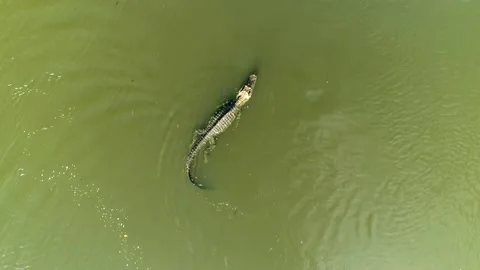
(208, 149)
(237, 119)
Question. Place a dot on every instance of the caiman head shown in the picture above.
(246, 92)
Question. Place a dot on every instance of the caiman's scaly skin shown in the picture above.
(219, 122)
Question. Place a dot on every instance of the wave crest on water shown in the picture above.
(327, 188)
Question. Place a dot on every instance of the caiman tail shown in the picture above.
(191, 158)
(192, 179)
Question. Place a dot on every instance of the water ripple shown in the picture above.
(84, 193)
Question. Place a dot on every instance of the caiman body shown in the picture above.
(218, 123)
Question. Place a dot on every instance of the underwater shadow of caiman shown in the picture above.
(218, 123)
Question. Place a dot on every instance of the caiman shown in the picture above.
(218, 123)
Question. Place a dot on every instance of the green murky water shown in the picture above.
(359, 149)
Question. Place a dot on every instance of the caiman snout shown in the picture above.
(252, 80)
(246, 91)
(248, 87)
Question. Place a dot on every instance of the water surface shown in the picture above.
(359, 149)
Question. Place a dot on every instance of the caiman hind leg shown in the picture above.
(197, 134)
(208, 149)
